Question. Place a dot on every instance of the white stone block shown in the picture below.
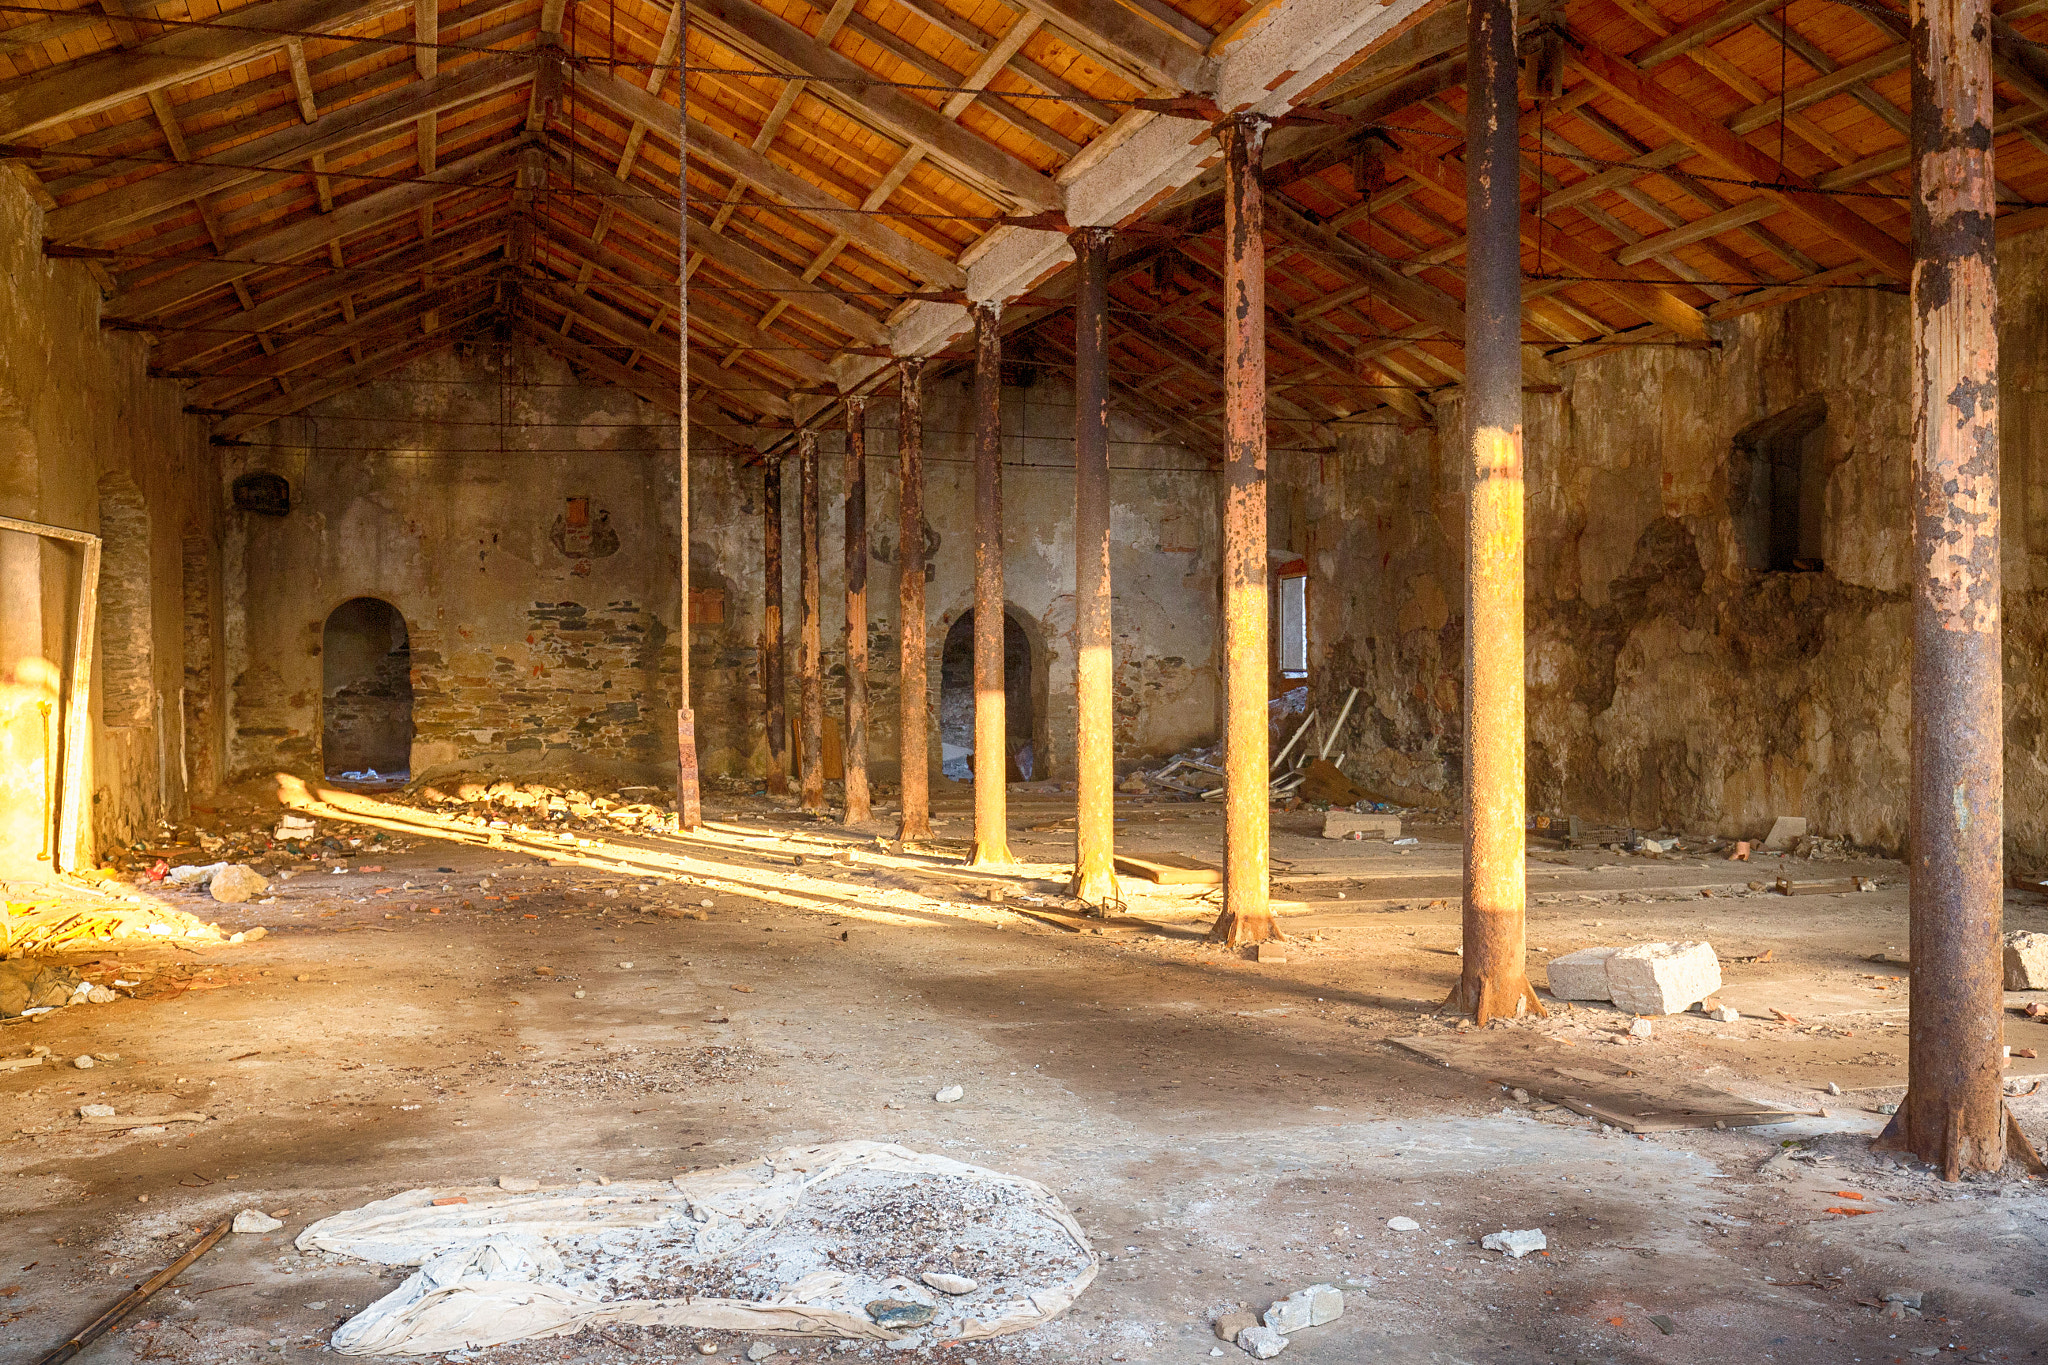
(1581, 975)
(1290, 1314)
(255, 1220)
(1786, 831)
(1325, 1304)
(2026, 961)
(1515, 1244)
(1262, 1343)
(1340, 824)
(1662, 978)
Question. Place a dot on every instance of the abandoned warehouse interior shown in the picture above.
(1068, 680)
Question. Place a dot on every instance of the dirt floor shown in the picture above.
(542, 1000)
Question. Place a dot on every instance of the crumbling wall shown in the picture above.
(523, 524)
(88, 441)
(1673, 681)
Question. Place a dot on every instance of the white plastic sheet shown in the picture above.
(800, 1241)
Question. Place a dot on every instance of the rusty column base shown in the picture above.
(1486, 1003)
(1898, 1137)
(689, 800)
(1234, 930)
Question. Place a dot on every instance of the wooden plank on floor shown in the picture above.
(1170, 869)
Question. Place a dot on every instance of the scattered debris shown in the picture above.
(1639, 1027)
(950, 1284)
(1644, 978)
(1310, 1307)
(1786, 831)
(1269, 952)
(1515, 1244)
(255, 1220)
(1170, 869)
(1401, 1223)
(1230, 1325)
(950, 1095)
(1344, 824)
(1261, 1343)
(2026, 961)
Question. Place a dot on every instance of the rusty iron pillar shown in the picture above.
(772, 681)
(809, 664)
(1954, 1115)
(991, 748)
(1493, 981)
(912, 728)
(856, 746)
(1247, 836)
(1094, 880)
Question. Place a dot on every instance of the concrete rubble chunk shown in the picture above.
(1399, 1223)
(2026, 961)
(1262, 1343)
(1310, 1307)
(952, 1094)
(950, 1284)
(1230, 1324)
(1662, 978)
(1786, 831)
(255, 1220)
(236, 883)
(1581, 975)
(1343, 824)
(518, 1184)
(1515, 1244)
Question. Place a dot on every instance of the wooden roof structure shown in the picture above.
(292, 197)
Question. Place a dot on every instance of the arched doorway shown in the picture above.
(366, 689)
(956, 700)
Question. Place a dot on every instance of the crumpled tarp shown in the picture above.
(506, 1266)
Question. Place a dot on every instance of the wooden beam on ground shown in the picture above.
(962, 152)
(310, 234)
(1735, 157)
(79, 89)
(290, 146)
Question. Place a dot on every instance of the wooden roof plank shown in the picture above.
(917, 122)
(1680, 120)
(295, 143)
(95, 84)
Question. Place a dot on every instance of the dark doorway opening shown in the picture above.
(366, 684)
(956, 700)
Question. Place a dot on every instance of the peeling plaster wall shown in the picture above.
(1670, 683)
(537, 646)
(529, 660)
(83, 428)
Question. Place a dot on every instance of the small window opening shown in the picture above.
(1781, 463)
(1293, 633)
(956, 701)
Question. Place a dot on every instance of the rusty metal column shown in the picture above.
(991, 726)
(856, 746)
(809, 664)
(912, 744)
(689, 790)
(1953, 1116)
(1094, 880)
(772, 681)
(1493, 980)
(1247, 821)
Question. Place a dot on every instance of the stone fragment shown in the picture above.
(1662, 978)
(2026, 961)
(1726, 1014)
(1786, 831)
(518, 1184)
(1262, 1343)
(950, 1284)
(1269, 952)
(95, 1111)
(82, 1062)
(1912, 1298)
(1402, 1224)
(1639, 1028)
(1515, 1244)
(255, 1220)
(899, 1313)
(236, 883)
(1232, 1323)
(102, 995)
(1344, 824)
(1326, 1304)
(1581, 975)
(761, 1350)
(952, 1094)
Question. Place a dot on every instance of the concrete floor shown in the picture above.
(1225, 1130)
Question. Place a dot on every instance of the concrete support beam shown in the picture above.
(991, 748)
(1954, 1116)
(1247, 819)
(858, 808)
(1493, 982)
(912, 728)
(772, 682)
(809, 663)
(1094, 879)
